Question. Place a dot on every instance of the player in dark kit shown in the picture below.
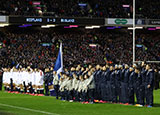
(138, 83)
(46, 87)
(131, 88)
(97, 77)
(142, 88)
(118, 83)
(113, 85)
(103, 84)
(157, 79)
(134, 84)
(108, 85)
(149, 85)
(124, 85)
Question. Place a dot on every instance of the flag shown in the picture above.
(59, 62)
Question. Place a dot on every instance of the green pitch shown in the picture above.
(18, 104)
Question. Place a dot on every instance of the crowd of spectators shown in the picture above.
(81, 8)
(39, 48)
(68, 8)
(149, 46)
(148, 9)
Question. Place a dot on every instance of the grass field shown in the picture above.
(18, 104)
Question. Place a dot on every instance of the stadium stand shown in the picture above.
(38, 48)
(81, 8)
(150, 46)
(74, 8)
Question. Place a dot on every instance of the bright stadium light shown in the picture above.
(130, 28)
(88, 27)
(47, 26)
(91, 27)
(139, 27)
(3, 25)
(92, 45)
(51, 25)
(96, 26)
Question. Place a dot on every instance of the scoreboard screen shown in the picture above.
(52, 20)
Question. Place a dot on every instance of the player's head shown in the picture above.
(126, 66)
(104, 68)
(143, 63)
(120, 67)
(82, 68)
(74, 75)
(97, 67)
(89, 73)
(116, 66)
(111, 68)
(148, 67)
(90, 66)
(131, 69)
(107, 66)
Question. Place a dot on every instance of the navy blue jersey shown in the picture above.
(126, 76)
(143, 74)
(135, 79)
(97, 75)
(112, 78)
(123, 71)
(103, 77)
(149, 78)
(131, 79)
(107, 75)
(117, 77)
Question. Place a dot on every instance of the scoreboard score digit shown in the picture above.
(50, 20)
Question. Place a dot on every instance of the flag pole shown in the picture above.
(61, 54)
(134, 31)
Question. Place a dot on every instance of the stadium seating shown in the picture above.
(81, 8)
(39, 49)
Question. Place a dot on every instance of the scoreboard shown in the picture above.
(59, 21)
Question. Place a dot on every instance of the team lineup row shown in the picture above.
(115, 84)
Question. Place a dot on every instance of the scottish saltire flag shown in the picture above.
(59, 62)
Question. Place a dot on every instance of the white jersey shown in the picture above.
(63, 85)
(69, 85)
(85, 87)
(55, 80)
(74, 82)
(76, 86)
(18, 77)
(80, 86)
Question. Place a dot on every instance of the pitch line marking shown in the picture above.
(28, 109)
